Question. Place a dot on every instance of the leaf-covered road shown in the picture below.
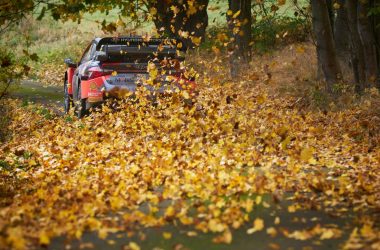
(221, 168)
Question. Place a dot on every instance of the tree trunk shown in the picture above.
(331, 14)
(178, 19)
(240, 25)
(367, 36)
(342, 33)
(376, 27)
(326, 52)
(357, 55)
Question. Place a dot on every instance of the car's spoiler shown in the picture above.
(131, 41)
(131, 48)
(122, 52)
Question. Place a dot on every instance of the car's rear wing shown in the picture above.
(127, 53)
(133, 41)
(136, 48)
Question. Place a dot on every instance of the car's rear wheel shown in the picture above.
(80, 104)
(68, 100)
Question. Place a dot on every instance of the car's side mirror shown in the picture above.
(101, 56)
(70, 63)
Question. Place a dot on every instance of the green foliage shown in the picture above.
(24, 103)
(214, 36)
(44, 112)
(374, 11)
(69, 119)
(272, 31)
(13, 11)
(274, 24)
(269, 31)
(11, 69)
(4, 165)
(4, 122)
(319, 98)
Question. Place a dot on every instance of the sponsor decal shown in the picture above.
(93, 86)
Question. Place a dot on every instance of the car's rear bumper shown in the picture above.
(95, 90)
(164, 87)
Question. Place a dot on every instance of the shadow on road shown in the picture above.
(280, 225)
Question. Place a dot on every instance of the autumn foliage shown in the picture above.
(209, 163)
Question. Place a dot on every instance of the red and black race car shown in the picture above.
(113, 64)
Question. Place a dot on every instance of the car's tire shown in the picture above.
(79, 103)
(68, 99)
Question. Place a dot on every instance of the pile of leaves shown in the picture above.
(209, 163)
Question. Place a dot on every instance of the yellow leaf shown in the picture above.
(306, 154)
(215, 226)
(170, 211)
(272, 231)
(225, 238)
(277, 220)
(285, 143)
(185, 94)
(216, 50)
(336, 6)
(192, 233)
(153, 11)
(184, 34)
(312, 161)
(32, 162)
(196, 40)
(248, 205)
(120, 23)
(291, 209)
(166, 235)
(327, 234)
(367, 231)
(261, 99)
(236, 14)
(174, 9)
(102, 233)
(186, 220)
(133, 246)
(16, 238)
(44, 238)
(258, 225)
(116, 202)
(78, 234)
(300, 49)
(191, 10)
(258, 200)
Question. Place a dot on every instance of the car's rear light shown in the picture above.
(95, 72)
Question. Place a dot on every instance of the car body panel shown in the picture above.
(93, 89)
(70, 74)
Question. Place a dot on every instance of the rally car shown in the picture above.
(113, 64)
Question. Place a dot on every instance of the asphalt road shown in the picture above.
(290, 222)
(50, 96)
